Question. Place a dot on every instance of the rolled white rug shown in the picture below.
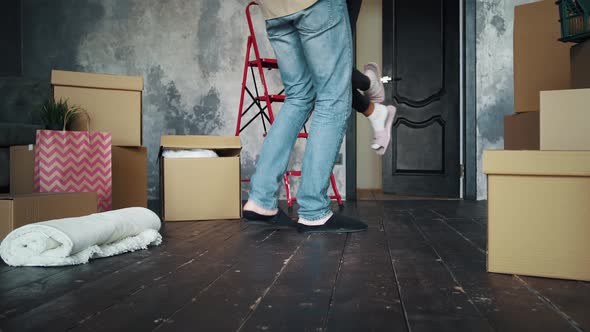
(74, 241)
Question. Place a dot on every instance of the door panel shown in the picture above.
(421, 53)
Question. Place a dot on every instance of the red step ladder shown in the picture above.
(262, 100)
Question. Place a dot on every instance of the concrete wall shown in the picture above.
(190, 53)
(495, 86)
(10, 38)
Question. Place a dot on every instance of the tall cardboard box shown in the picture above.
(565, 120)
(20, 210)
(580, 62)
(22, 167)
(129, 177)
(521, 131)
(129, 174)
(538, 213)
(201, 188)
(112, 101)
(541, 62)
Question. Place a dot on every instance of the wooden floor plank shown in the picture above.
(14, 277)
(420, 266)
(300, 298)
(25, 275)
(495, 295)
(21, 299)
(66, 311)
(431, 296)
(366, 283)
(472, 231)
(461, 209)
(145, 309)
(570, 298)
(235, 294)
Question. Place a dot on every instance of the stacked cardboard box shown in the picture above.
(23, 209)
(538, 200)
(579, 56)
(114, 105)
(541, 63)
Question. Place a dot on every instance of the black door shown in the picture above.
(421, 54)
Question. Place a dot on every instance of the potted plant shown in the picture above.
(58, 115)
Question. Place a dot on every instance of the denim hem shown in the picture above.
(260, 205)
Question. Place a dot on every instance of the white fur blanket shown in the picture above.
(73, 241)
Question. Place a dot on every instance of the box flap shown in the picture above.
(549, 163)
(200, 142)
(92, 80)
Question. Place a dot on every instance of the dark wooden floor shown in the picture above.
(420, 267)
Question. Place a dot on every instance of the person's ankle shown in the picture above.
(370, 109)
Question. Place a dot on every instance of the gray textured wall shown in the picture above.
(495, 86)
(190, 54)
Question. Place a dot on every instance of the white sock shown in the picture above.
(378, 117)
(251, 206)
(314, 222)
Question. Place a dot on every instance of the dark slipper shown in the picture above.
(336, 224)
(279, 220)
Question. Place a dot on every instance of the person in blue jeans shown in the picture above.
(313, 47)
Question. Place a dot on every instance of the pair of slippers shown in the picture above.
(336, 224)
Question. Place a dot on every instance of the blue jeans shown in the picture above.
(314, 51)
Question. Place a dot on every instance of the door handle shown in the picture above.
(387, 79)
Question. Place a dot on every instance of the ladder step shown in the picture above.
(300, 135)
(273, 98)
(266, 63)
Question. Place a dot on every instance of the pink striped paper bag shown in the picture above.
(74, 161)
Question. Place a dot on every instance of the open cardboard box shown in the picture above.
(538, 213)
(201, 188)
(20, 210)
(113, 102)
(129, 174)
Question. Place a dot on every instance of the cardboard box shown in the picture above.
(112, 101)
(201, 188)
(565, 120)
(22, 167)
(521, 131)
(20, 210)
(580, 62)
(538, 213)
(129, 174)
(129, 177)
(541, 62)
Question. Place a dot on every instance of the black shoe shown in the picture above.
(279, 220)
(336, 224)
